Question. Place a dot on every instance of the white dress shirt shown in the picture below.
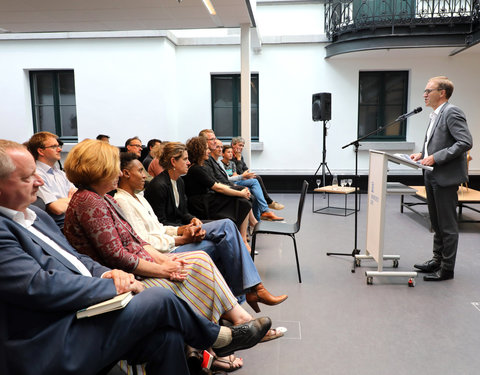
(56, 184)
(433, 117)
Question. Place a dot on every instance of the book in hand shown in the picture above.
(112, 304)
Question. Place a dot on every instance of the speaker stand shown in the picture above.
(323, 164)
(356, 184)
(356, 144)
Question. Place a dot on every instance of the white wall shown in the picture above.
(154, 89)
(124, 87)
(290, 74)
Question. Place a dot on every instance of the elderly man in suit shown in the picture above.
(445, 149)
(44, 281)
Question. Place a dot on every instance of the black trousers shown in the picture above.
(264, 190)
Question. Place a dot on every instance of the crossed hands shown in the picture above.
(248, 175)
(175, 268)
(245, 193)
(191, 233)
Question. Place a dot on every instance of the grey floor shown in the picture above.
(337, 324)
(340, 325)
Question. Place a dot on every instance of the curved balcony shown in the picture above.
(356, 25)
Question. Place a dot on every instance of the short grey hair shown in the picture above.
(7, 166)
(236, 140)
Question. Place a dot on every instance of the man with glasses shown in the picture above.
(211, 165)
(445, 149)
(134, 145)
(56, 192)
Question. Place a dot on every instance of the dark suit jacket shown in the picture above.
(159, 193)
(449, 142)
(216, 172)
(40, 291)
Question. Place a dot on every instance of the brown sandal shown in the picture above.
(225, 364)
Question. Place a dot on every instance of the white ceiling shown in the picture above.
(19, 16)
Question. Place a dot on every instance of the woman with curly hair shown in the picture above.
(209, 199)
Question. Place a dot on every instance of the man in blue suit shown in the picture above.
(445, 149)
(44, 281)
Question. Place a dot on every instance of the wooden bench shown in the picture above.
(466, 197)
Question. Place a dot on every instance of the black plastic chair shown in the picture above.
(287, 229)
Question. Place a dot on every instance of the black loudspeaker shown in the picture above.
(322, 106)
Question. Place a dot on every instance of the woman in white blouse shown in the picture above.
(220, 239)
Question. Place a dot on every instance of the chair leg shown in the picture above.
(296, 258)
(252, 247)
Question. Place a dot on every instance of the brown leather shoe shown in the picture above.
(262, 295)
(270, 216)
(276, 206)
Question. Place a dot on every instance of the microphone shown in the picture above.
(411, 113)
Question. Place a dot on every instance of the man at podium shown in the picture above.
(445, 149)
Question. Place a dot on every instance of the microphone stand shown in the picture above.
(356, 144)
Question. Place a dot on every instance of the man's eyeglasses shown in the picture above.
(428, 91)
(53, 147)
(139, 146)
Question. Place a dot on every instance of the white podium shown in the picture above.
(377, 192)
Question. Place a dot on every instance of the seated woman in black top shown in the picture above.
(209, 199)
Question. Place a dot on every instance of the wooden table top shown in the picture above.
(464, 194)
(335, 190)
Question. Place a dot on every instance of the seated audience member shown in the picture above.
(44, 282)
(210, 165)
(209, 199)
(259, 205)
(96, 226)
(104, 138)
(134, 145)
(95, 168)
(155, 168)
(57, 190)
(150, 145)
(218, 173)
(220, 238)
(238, 143)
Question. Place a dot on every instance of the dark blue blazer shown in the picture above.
(40, 292)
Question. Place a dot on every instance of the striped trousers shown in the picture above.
(204, 289)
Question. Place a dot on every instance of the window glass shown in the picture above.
(226, 106)
(382, 98)
(53, 103)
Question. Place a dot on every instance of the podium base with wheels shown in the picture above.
(411, 276)
(380, 273)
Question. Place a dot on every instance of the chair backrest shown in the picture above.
(301, 203)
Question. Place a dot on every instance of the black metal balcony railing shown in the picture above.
(352, 16)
